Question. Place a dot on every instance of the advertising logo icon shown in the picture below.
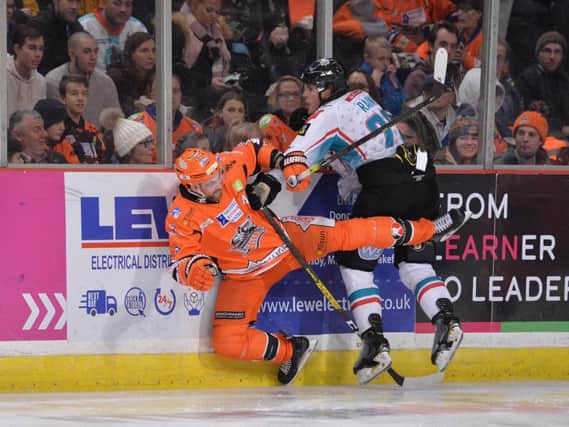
(135, 302)
(194, 302)
(164, 302)
(98, 302)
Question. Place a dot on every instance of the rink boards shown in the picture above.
(86, 304)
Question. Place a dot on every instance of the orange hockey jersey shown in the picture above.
(240, 239)
(276, 132)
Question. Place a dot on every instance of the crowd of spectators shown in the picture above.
(81, 76)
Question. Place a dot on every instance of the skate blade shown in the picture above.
(366, 375)
(444, 357)
(302, 361)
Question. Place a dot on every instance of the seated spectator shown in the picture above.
(469, 97)
(24, 85)
(469, 24)
(132, 140)
(206, 50)
(285, 102)
(403, 23)
(181, 124)
(360, 80)
(240, 132)
(231, 108)
(110, 26)
(82, 142)
(557, 150)
(513, 104)
(464, 144)
(192, 83)
(544, 86)
(528, 20)
(285, 97)
(436, 118)
(57, 23)
(191, 140)
(83, 60)
(26, 130)
(352, 23)
(442, 35)
(274, 55)
(379, 63)
(414, 132)
(53, 113)
(134, 75)
(530, 132)
(15, 155)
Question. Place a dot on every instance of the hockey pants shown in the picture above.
(238, 301)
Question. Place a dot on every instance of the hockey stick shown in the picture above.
(306, 267)
(440, 66)
(399, 379)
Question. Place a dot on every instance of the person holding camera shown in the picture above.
(206, 50)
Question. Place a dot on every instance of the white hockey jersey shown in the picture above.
(95, 24)
(342, 122)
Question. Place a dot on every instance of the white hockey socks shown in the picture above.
(363, 295)
(424, 282)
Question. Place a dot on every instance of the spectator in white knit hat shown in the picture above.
(132, 140)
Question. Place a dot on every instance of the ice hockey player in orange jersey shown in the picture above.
(218, 232)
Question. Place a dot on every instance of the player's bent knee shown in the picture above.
(411, 274)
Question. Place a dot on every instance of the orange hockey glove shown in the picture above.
(199, 272)
(294, 164)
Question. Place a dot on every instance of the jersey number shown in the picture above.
(375, 121)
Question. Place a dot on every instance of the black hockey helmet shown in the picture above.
(323, 73)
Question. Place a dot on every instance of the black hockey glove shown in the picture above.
(263, 190)
(298, 118)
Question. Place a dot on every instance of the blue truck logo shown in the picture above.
(98, 302)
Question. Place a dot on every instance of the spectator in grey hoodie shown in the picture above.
(25, 86)
(83, 51)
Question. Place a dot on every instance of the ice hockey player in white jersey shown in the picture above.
(396, 179)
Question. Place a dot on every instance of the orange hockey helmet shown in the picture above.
(195, 166)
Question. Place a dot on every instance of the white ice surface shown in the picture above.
(463, 405)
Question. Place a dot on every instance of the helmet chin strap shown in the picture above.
(201, 196)
(332, 90)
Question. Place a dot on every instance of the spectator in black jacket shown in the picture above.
(274, 54)
(544, 86)
(529, 19)
(57, 23)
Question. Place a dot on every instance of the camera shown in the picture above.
(232, 79)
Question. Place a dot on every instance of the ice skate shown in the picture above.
(449, 223)
(374, 357)
(302, 350)
(448, 335)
